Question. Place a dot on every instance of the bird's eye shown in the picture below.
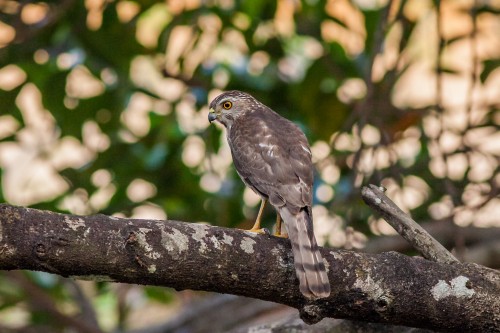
(227, 105)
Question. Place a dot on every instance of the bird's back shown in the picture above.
(272, 155)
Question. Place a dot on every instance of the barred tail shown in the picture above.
(309, 265)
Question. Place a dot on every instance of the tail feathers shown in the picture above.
(309, 265)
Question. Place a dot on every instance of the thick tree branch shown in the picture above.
(387, 288)
(420, 239)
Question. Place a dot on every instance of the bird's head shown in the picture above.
(228, 106)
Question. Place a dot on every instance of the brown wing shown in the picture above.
(272, 156)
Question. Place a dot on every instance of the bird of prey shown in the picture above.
(272, 157)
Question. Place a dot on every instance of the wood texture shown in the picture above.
(386, 288)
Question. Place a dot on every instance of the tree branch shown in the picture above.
(420, 239)
(479, 245)
(41, 300)
(198, 315)
(386, 288)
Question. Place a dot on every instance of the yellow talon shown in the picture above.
(256, 227)
(263, 231)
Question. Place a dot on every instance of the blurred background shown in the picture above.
(103, 109)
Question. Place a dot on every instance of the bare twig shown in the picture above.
(88, 314)
(40, 299)
(198, 315)
(482, 244)
(420, 239)
(441, 154)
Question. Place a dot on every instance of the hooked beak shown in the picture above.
(212, 115)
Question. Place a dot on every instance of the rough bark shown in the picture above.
(386, 288)
(417, 236)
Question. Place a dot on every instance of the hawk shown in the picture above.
(272, 157)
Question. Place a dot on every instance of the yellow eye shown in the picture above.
(227, 105)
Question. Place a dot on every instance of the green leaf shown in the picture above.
(489, 66)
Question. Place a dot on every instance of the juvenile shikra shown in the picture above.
(272, 157)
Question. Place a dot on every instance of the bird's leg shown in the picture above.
(256, 227)
(279, 222)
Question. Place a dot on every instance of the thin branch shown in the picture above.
(420, 239)
(88, 314)
(479, 242)
(196, 316)
(448, 184)
(40, 299)
(474, 60)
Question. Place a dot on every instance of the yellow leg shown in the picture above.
(279, 222)
(256, 227)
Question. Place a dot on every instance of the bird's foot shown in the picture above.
(277, 232)
(280, 235)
